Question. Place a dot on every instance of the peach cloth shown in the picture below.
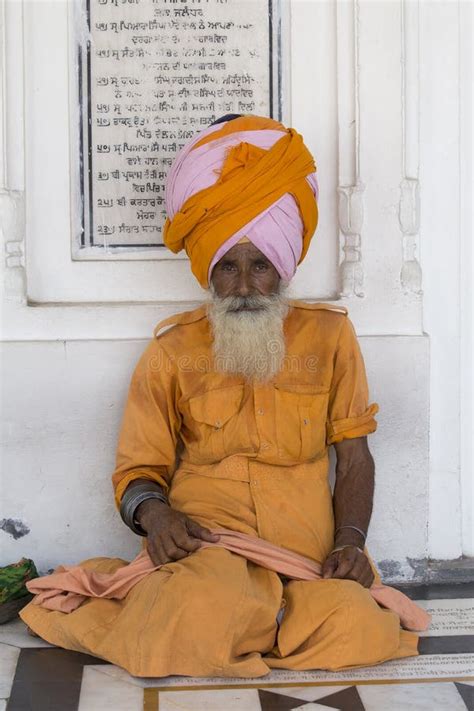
(68, 587)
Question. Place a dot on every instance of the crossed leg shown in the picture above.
(334, 624)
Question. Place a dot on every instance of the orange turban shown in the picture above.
(228, 176)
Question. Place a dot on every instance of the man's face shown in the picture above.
(244, 271)
(246, 313)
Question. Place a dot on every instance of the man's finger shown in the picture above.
(185, 542)
(358, 570)
(171, 549)
(154, 555)
(345, 565)
(157, 553)
(200, 532)
(329, 566)
(369, 577)
(366, 580)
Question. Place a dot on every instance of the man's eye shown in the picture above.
(227, 267)
(261, 266)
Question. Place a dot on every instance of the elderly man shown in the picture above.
(230, 413)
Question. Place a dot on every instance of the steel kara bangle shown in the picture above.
(132, 499)
(354, 528)
(340, 548)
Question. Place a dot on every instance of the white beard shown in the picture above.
(248, 343)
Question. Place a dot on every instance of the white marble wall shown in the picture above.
(386, 115)
(62, 411)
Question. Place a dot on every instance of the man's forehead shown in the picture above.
(243, 249)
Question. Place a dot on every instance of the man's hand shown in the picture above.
(350, 564)
(170, 534)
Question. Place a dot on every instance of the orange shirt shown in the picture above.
(235, 453)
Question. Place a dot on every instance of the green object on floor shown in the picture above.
(13, 592)
(13, 578)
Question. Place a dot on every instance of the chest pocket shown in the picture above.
(214, 416)
(301, 412)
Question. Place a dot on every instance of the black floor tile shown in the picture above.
(438, 591)
(449, 644)
(48, 680)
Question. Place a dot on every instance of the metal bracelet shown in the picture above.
(132, 499)
(354, 528)
(349, 545)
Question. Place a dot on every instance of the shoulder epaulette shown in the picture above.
(317, 306)
(182, 318)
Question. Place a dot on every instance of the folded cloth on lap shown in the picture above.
(68, 587)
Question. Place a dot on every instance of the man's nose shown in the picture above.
(244, 287)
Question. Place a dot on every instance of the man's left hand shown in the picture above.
(350, 564)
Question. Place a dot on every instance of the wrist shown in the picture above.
(149, 510)
(133, 497)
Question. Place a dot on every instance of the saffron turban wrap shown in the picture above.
(248, 176)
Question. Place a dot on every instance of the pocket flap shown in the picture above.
(216, 407)
(303, 394)
(302, 388)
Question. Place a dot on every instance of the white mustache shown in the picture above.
(250, 302)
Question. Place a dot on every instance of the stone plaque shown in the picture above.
(150, 74)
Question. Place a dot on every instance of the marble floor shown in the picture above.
(34, 676)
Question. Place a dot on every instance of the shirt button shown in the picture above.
(260, 411)
(265, 445)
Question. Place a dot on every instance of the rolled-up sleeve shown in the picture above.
(149, 431)
(349, 412)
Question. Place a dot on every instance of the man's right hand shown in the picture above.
(171, 535)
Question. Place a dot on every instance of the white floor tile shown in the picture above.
(117, 673)
(100, 692)
(449, 617)
(8, 660)
(217, 700)
(416, 697)
(15, 633)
